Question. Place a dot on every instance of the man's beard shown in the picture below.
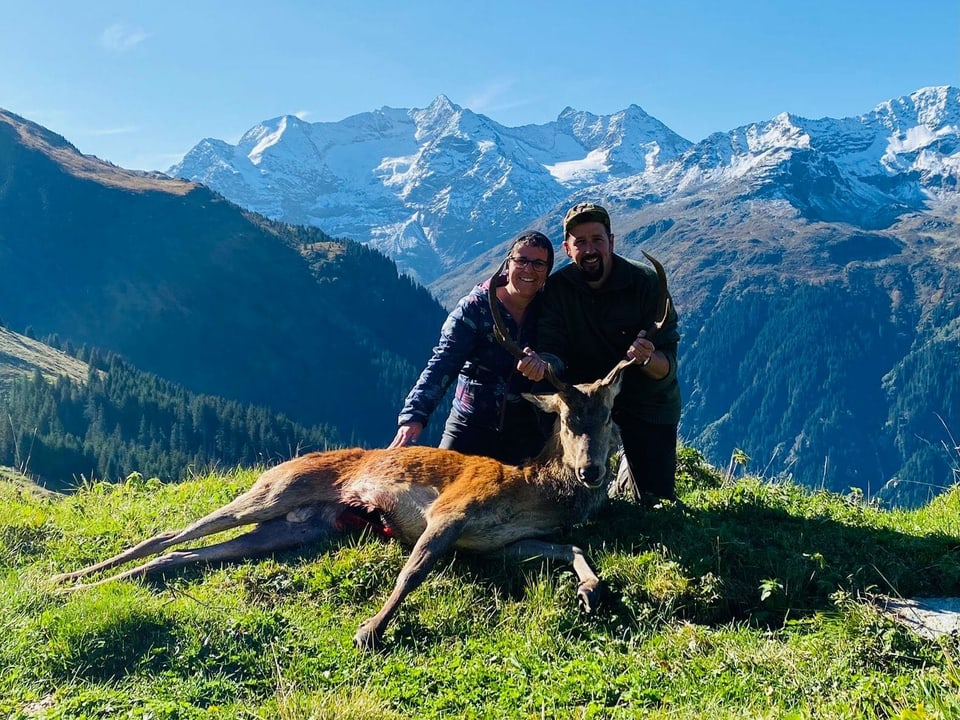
(591, 274)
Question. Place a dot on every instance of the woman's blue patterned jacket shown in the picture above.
(468, 351)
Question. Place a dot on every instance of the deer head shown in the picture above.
(584, 424)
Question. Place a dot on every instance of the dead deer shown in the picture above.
(431, 499)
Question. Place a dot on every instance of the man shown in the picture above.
(596, 311)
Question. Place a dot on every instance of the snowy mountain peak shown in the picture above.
(934, 107)
(783, 131)
(442, 105)
(260, 139)
(440, 117)
(436, 187)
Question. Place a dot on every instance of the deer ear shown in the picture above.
(613, 387)
(615, 376)
(548, 402)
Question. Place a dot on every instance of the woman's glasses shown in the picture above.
(538, 265)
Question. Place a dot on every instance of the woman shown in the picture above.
(488, 416)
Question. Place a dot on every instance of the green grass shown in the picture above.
(747, 599)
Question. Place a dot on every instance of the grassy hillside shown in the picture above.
(21, 355)
(744, 600)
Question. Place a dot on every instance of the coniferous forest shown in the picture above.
(123, 420)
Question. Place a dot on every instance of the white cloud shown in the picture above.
(120, 38)
(302, 114)
(496, 100)
(488, 97)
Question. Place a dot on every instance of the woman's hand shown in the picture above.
(532, 367)
(406, 434)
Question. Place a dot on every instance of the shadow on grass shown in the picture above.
(750, 560)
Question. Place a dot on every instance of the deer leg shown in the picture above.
(589, 588)
(254, 506)
(280, 491)
(209, 525)
(270, 536)
(215, 522)
(149, 546)
(436, 540)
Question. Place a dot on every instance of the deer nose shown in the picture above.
(589, 475)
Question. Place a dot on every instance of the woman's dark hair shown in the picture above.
(533, 239)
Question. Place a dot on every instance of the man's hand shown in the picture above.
(641, 349)
(532, 367)
(406, 434)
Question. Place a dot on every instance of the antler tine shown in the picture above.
(503, 336)
(665, 300)
(499, 329)
(665, 303)
(552, 378)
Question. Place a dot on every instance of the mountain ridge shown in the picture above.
(398, 197)
(411, 203)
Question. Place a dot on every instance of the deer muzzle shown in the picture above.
(590, 476)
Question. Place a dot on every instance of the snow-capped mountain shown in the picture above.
(429, 187)
(865, 170)
(434, 188)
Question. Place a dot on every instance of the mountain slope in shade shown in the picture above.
(187, 285)
(826, 351)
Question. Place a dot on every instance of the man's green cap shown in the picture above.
(585, 212)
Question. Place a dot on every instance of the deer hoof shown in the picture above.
(589, 596)
(367, 637)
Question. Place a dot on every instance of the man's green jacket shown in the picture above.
(584, 332)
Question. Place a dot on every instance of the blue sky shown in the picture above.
(140, 83)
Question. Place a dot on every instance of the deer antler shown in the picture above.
(665, 300)
(502, 335)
